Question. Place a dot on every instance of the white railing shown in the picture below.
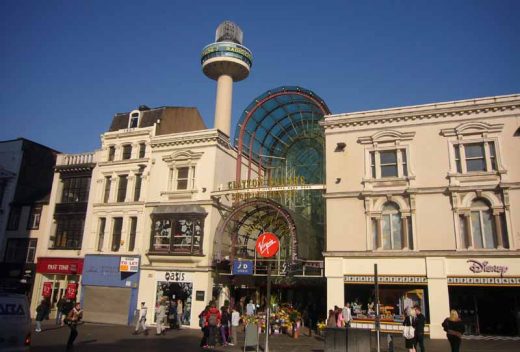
(75, 159)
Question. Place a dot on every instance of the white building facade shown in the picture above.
(431, 194)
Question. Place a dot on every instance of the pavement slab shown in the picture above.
(116, 338)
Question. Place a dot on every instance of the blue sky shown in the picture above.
(66, 67)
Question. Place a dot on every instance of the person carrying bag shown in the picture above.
(409, 330)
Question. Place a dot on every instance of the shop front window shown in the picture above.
(395, 300)
(177, 296)
(178, 234)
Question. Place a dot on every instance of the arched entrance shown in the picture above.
(278, 188)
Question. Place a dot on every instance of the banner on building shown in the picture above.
(72, 291)
(47, 289)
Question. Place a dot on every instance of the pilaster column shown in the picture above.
(462, 151)
(498, 227)
(468, 235)
(438, 295)
(335, 282)
(406, 244)
(379, 234)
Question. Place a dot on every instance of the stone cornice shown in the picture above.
(454, 109)
(127, 132)
(423, 254)
(421, 190)
(197, 137)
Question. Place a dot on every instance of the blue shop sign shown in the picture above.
(243, 267)
(104, 270)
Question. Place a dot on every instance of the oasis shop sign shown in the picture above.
(479, 267)
(174, 276)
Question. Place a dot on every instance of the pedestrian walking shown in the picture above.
(250, 308)
(235, 322)
(67, 307)
(42, 311)
(203, 327)
(141, 319)
(331, 320)
(180, 310)
(161, 315)
(420, 320)
(454, 330)
(212, 321)
(347, 314)
(409, 330)
(340, 322)
(59, 310)
(225, 319)
(72, 320)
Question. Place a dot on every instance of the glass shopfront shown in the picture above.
(394, 300)
(172, 287)
(59, 277)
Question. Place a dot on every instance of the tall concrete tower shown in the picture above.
(225, 61)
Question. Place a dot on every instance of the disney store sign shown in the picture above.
(484, 267)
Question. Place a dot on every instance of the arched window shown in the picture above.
(483, 228)
(391, 226)
(133, 122)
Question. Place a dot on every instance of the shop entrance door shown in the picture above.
(487, 310)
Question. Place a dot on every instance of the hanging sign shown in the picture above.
(47, 289)
(243, 267)
(72, 290)
(267, 245)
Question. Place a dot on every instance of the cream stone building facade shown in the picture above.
(152, 203)
(431, 194)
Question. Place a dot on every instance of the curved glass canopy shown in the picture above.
(279, 131)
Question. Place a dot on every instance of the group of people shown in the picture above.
(68, 313)
(415, 319)
(218, 325)
(340, 317)
(175, 312)
(452, 325)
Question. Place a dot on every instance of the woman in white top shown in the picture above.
(235, 322)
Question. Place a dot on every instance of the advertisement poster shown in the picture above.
(47, 289)
(72, 290)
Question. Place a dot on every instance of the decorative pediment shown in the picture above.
(183, 156)
(386, 136)
(472, 128)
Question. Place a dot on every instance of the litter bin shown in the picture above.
(347, 340)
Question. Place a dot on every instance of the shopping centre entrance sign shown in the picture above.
(265, 188)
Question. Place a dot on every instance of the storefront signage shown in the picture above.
(243, 267)
(65, 266)
(484, 267)
(174, 276)
(72, 290)
(47, 289)
(266, 188)
(129, 264)
(267, 245)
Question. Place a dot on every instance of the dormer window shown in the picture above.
(133, 121)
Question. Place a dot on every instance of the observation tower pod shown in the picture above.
(225, 61)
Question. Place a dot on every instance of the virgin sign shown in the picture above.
(267, 245)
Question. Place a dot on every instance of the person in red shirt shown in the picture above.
(213, 319)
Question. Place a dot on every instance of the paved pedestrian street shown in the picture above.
(115, 338)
